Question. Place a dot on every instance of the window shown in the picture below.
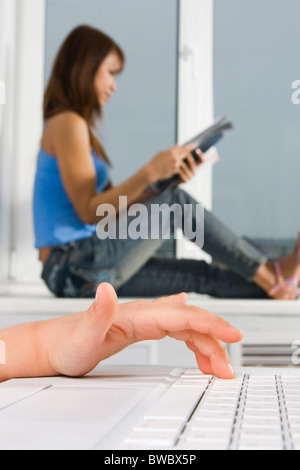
(24, 39)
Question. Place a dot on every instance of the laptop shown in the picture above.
(126, 408)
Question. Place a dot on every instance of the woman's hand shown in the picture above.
(77, 343)
(189, 167)
(169, 162)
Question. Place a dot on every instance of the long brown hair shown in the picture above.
(71, 84)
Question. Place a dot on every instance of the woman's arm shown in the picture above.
(73, 345)
(71, 144)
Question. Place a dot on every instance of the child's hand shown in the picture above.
(77, 343)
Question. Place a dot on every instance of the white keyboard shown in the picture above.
(203, 412)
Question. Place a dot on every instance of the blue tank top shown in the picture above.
(55, 219)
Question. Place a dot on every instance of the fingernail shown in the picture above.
(236, 329)
(231, 369)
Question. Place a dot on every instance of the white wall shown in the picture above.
(195, 95)
(7, 113)
(22, 24)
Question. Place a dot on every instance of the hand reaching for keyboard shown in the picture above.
(82, 340)
(74, 344)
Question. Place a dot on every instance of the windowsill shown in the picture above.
(35, 298)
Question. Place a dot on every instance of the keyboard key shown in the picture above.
(215, 408)
(211, 422)
(292, 411)
(295, 430)
(262, 405)
(214, 413)
(292, 398)
(225, 401)
(260, 446)
(207, 434)
(263, 431)
(261, 421)
(262, 400)
(294, 420)
(291, 405)
(210, 443)
(291, 392)
(253, 442)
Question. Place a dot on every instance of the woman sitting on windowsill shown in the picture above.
(72, 181)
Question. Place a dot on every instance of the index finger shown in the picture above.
(188, 148)
(209, 323)
(191, 162)
(189, 317)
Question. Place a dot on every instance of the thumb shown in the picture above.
(104, 308)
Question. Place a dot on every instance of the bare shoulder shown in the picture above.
(67, 120)
(66, 128)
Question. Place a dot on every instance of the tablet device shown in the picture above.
(203, 141)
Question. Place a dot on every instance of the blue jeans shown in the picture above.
(76, 269)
